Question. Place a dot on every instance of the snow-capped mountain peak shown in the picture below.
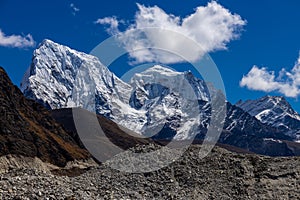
(275, 111)
(53, 71)
(261, 108)
(161, 71)
(159, 100)
(61, 77)
(183, 83)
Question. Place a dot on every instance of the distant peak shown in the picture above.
(275, 98)
(167, 70)
(263, 98)
(47, 41)
(160, 68)
(265, 102)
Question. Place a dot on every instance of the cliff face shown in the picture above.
(27, 128)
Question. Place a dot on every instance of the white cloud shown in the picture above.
(112, 22)
(211, 26)
(16, 40)
(287, 83)
(74, 8)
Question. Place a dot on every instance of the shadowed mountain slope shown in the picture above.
(26, 128)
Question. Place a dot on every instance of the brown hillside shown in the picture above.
(27, 128)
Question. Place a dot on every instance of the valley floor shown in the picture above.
(220, 175)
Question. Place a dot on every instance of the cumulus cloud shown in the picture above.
(16, 40)
(154, 31)
(286, 83)
(74, 8)
(112, 22)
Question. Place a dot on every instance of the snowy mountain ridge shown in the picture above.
(157, 101)
(274, 111)
(54, 80)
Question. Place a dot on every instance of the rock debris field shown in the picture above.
(220, 175)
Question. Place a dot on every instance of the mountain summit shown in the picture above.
(274, 111)
(51, 77)
(60, 77)
(159, 102)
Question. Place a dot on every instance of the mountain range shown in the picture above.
(43, 154)
(159, 102)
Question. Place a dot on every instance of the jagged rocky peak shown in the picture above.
(158, 100)
(275, 111)
(53, 75)
(183, 83)
(267, 106)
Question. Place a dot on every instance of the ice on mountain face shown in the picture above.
(183, 83)
(273, 140)
(53, 73)
(200, 87)
(163, 92)
(275, 111)
(176, 101)
(61, 77)
(158, 100)
(269, 109)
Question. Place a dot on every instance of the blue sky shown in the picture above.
(269, 39)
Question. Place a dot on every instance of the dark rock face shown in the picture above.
(276, 112)
(26, 128)
(245, 131)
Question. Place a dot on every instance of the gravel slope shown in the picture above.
(221, 175)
